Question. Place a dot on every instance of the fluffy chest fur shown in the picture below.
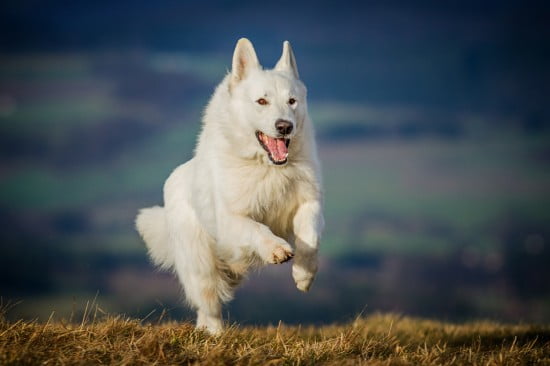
(266, 194)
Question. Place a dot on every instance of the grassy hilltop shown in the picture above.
(374, 340)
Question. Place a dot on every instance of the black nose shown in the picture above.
(284, 127)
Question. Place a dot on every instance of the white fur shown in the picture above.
(230, 208)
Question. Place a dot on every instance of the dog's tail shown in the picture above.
(151, 225)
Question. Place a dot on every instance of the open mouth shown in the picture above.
(277, 148)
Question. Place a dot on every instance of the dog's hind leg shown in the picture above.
(197, 269)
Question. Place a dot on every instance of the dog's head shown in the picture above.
(270, 105)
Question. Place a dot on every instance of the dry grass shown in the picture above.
(374, 340)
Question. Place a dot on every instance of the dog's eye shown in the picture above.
(262, 101)
(291, 101)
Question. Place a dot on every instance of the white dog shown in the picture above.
(252, 188)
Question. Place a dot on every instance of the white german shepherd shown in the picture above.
(252, 188)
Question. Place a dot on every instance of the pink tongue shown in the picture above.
(277, 148)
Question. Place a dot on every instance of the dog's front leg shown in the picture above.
(244, 232)
(308, 225)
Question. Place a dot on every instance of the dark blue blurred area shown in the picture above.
(433, 126)
(466, 54)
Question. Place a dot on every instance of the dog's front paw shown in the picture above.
(277, 252)
(281, 254)
(302, 277)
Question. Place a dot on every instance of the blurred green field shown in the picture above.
(87, 139)
(465, 183)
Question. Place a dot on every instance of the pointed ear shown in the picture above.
(287, 62)
(244, 60)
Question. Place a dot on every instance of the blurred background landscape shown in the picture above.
(433, 124)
